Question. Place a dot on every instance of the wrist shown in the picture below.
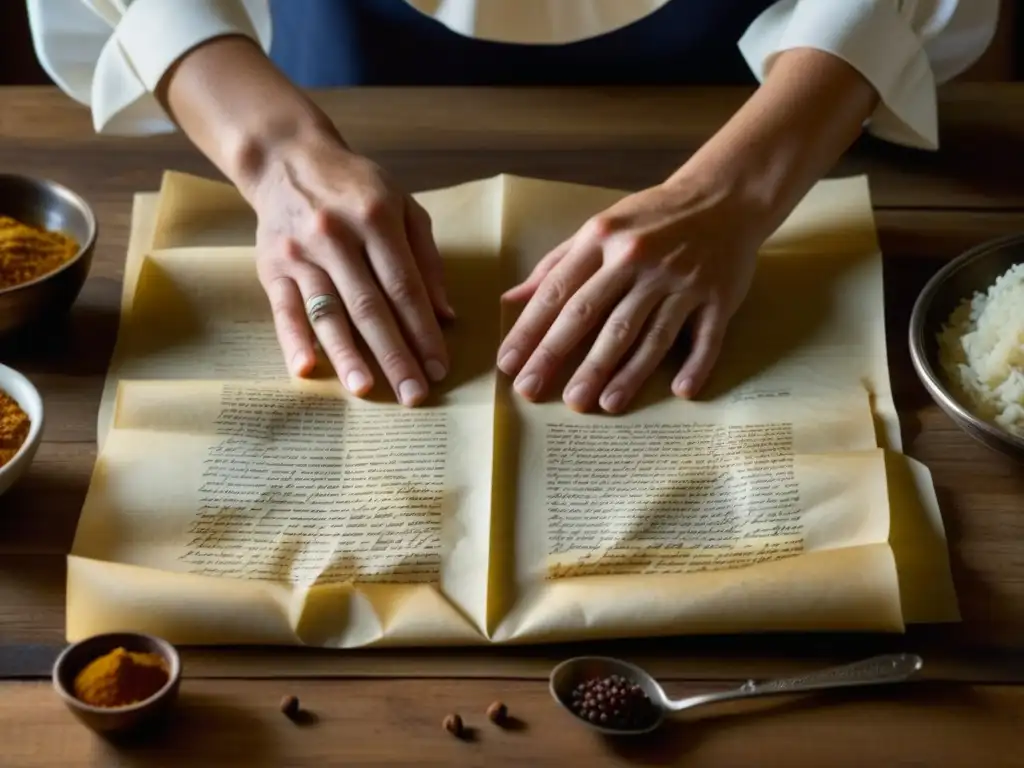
(265, 151)
(787, 136)
(738, 183)
(240, 111)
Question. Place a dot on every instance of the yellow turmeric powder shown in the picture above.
(14, 426)
(27, 252)
(120, 678)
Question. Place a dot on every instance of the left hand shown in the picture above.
(671, 253)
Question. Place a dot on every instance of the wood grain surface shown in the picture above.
(930, 206)
(223, 724)
(609, 136)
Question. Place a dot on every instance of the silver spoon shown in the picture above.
(893, 668)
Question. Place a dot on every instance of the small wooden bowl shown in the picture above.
(116, 720)
(49, 205)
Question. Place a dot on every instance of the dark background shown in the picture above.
(18, 64)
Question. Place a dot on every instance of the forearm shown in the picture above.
(237, 108)
(810, 109)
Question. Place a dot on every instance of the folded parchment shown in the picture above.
(232, 504)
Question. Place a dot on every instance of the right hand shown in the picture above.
(332, 224)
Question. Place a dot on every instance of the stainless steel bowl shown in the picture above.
(971, 272)
(48, 205)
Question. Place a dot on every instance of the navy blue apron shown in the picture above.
(337, 43)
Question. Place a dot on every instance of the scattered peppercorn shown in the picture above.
(290, 706)
(613, 702)
(497, 712)
(453, 724)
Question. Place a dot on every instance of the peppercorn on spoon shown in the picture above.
(595, 689)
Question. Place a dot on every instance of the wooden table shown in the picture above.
(929, 207)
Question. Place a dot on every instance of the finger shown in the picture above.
(371, 315)
(655, 342)
(399, 277)
(617, 336)
(580, 315)
(332, 329)
(708, 334)
(424, 250)
(525, 289)
(560, 284)
(293, 332)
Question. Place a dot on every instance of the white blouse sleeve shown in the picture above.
(904, 48)
(111, 54)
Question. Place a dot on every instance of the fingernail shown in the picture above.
(510, 361)
(577, 394)
(684, 388)
(356, 382)
(300, 363)
(411, 392)
(529, 386)
(449, 309)
(435, 370)
(612, 402)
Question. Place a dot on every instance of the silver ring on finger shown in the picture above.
(321, 305)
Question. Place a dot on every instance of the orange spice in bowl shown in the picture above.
(14, 428)
(121, 678)
(119, 683)
(28, 253)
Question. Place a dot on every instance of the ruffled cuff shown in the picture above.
(874, 39)
(149, 38)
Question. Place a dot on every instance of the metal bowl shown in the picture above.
(48, 205)
(969, 273)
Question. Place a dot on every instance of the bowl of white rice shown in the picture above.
(967, 342)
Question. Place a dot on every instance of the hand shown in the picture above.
(679, 251)
(331, 224)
